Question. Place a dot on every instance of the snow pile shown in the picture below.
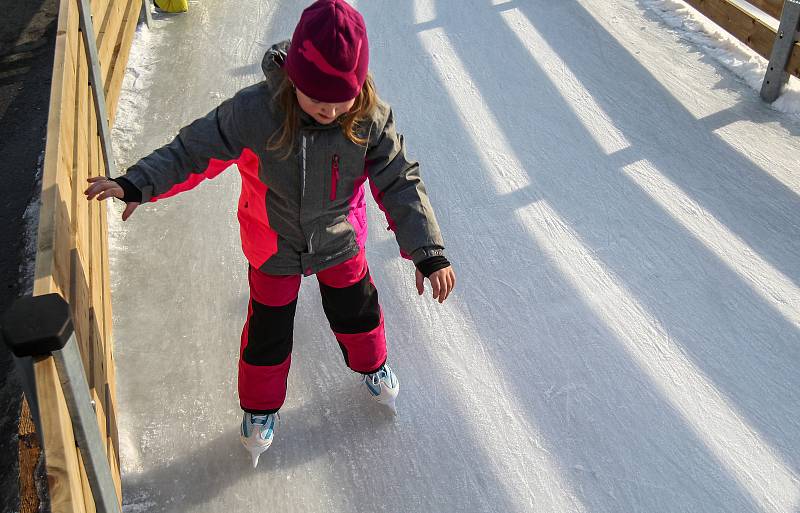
(725, 48)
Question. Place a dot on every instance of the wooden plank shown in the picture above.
(97, 314)
(97, 235)
(793, 68)
(122, 52)
(99, 10)
(63, 229)
(98, 368)
(116, 475)
(113, 436)
(73, 35)
(85, 134)
(96, 285)
(79, 307)
(68, 123)
(105, 9)
(88, 498)
(110, 364)
(107, 34)
(70, 77)
(63, 473)
(102, 422)
(111, 382)
(54, 146)
(747, 29)
(107, 333)
(62, 261)
(96, 275)
(771, 7)
(107, 336)
(60, 237)
(79, 284)
(119, 56)
(111, 418)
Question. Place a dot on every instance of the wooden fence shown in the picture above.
(755, 32)
(72, 252)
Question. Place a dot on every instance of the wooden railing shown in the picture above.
(72, 248)
(758, 33)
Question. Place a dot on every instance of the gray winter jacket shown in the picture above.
(305, 213)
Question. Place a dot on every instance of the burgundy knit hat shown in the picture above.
(329, 55)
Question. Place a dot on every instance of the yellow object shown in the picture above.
(172, 5)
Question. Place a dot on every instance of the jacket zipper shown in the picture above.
(303, 192)
(334, 176)
(303, 165)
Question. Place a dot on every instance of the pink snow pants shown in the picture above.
(350, 301)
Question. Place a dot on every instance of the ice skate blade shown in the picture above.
(389, 402)
(256, 452)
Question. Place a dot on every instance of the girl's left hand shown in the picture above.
(442, 282)
(102, 188)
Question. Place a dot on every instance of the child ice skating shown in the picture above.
(306, 140)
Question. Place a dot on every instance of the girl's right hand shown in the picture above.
(103, 188)
(442, 283)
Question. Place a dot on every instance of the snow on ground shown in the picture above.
(622, 211)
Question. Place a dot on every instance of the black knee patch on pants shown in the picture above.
(353, 309)
(269, 334)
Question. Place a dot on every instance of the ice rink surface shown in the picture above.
(624, 219)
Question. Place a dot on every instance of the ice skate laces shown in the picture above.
(376, 377)
(262, 419)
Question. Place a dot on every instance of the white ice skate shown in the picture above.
(256, 434)
(383, 386)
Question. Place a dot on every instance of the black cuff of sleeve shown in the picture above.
(132, 193)
(432, 264)
(261, 412)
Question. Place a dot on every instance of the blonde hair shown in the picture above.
(350, 123)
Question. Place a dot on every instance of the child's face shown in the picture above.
(322, 112)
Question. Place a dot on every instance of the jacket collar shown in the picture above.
(309, 123)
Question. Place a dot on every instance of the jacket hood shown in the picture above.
(272, 63)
